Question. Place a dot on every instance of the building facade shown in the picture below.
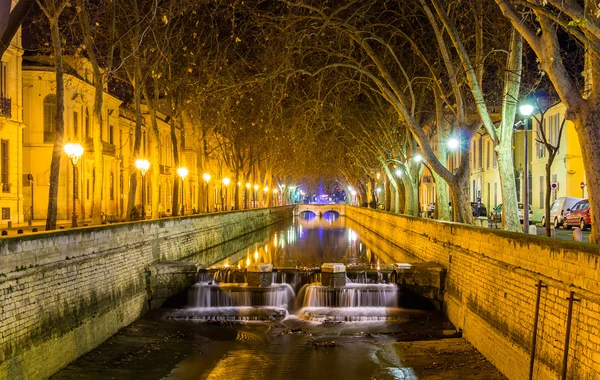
(11, 126)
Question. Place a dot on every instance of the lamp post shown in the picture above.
(74, 151)
(183, 172)
(526, 110)
(246, 195)
(143, 165)
(226, 182)
(206, 177)
(255, 197)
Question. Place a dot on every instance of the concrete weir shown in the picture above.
(75, 288)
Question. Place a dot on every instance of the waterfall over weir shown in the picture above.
(206, 294)
(351, 295)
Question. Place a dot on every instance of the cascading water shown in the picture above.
(207, 294)
(351, 295)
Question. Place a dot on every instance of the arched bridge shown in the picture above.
(320, 208)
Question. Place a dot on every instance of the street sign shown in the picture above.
(582, 185)
(554, 185)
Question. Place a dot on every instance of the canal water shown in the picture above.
(295, 328)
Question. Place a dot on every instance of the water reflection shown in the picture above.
(309, 241)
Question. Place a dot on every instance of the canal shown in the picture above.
(369, 329)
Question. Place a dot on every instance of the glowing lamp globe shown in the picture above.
(183, 172)
(526, 109)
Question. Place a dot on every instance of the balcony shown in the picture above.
(165, 169)
(5, 107)
(107, 148)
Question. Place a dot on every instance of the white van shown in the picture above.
(559, 208)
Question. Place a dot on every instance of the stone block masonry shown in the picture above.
(490, 291)
(87, 283)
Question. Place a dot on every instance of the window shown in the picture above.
(87, 122)
(518, 185)
(75, 125)
(5, 213)
(4, 166)
(111, 134)
(495, 193)
(3, 80)
(474, 154)
(554, 127)
(540, 148)
(487, 155)
(49, 118)
(480, 154)
(542, 188)
(112, 186)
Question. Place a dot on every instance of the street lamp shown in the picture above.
(143, 165)
(353, 192)
(247, 190)
(183, 172)
(206, 177)
(226, 182)
(453, 143)
(255, 197)
(74, 151)
(526, 110)
(418, 158)
(399, 172)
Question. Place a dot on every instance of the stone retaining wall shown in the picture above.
(87, 283)
(491, 290)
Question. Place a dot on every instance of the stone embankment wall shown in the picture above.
(87, 283)
(491, 291)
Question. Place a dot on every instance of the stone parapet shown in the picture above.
(333, 275)
(490, 290)
(259, 275)
(76, 288)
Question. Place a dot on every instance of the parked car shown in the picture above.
(497, 213)
(578, 216)
(558, 209)
(482, 210)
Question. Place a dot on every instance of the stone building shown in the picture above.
(11, 126)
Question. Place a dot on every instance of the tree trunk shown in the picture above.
(461, 205)
(586, 125)
(506, 169)
(137, 142)
(57, 149)
(442, 198)
(411, 196)
(98, 182)
(177, 179)
(154, 171)
(504, 145)
(548, 194)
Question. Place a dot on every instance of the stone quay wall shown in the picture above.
(491, 291)
(87, 283)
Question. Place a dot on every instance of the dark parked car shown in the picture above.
(578, 216)
(481, 211)
(497, 213)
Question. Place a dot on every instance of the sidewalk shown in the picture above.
(39, 224)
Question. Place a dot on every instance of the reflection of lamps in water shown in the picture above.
(266, 249)
(248, 262)
(256, 255)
